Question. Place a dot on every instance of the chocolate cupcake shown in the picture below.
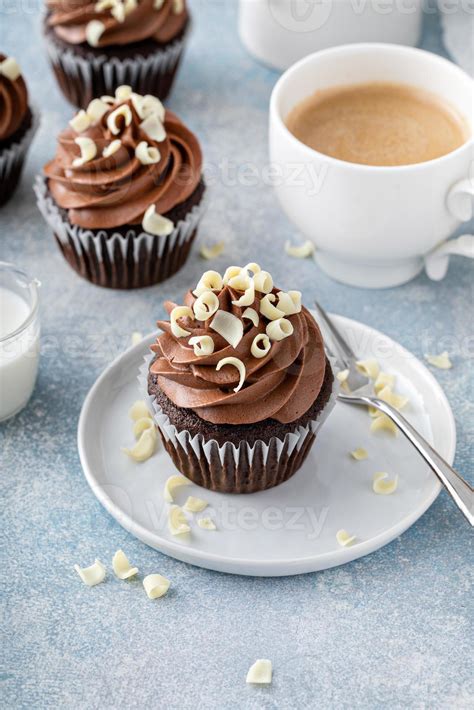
(95, 47)
(238, 381)
(124, 193)
(18, 123)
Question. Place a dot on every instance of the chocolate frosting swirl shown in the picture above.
(283, 385)
(13, 104)
(142, 20)
(114, 191)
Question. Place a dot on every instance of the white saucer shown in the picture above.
(291, 528)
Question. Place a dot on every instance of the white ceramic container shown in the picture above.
(375, 226)
(19, 339)
(280, 32)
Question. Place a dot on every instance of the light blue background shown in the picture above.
(390, 630)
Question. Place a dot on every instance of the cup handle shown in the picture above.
(460, 200)
(437, 261)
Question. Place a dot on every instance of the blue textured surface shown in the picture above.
(390, 630)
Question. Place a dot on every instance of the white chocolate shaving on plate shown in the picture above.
(138, 410)
(156, 224)
(396, 400)
(289, 303)
(177, 521)
(383, 485)
(123, 92)
(123, 113)
(122, 567)
(279, 329)
(10, 68)
(153, 128)
(203, 345)
(211, 252)
(384, 379)
(176, 313)
(267, 308)
(359, 454)
(88, 151)
(206, 524)
(145, 446)
(299, 252)
(80, 122)
(142, 425)
(251, 314)
(260, 672)
(247, 298)
(205, 305)
(96, 110)
(195, 505)
(263, 282)
(147, 154)
(94, 31)
(238, 364)
(91, 575)
(229, 326)
(136, 337)
(344, 539)
(383, 423)
(442, 362)
(112, 148)
(342, 375)
(156, 586)
(209, 281)
(172, 484)
(258, 351)
(370, 368)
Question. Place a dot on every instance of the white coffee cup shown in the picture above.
(375, 226)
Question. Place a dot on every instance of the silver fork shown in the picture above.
(457, 487)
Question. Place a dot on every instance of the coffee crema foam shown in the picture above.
(378, 123)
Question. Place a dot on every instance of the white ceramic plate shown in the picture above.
(291, 528)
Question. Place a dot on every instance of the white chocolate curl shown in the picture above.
(114, 120)
(203, 345)
(253, 267)
(260, 673)
(384, 380)
(279, 329)
(154, 128)
(96, 110)
(88, 151)
(122, 567)
(238, 364)
(359, 454)
(171, 485)
(299, 252)
(251, 314)
(10, 69)
(94, 31)
(195, 505)
(142, 425)
(209, 281)
(289, 303)
(263, 282)
(268, 310)
(442, 362)
(230, 273)
(383, 423)
(382, 485)
(146, 154)
(155, 585)
(211, 252)
(123, 92)
(229, 326)
(344, 539)
(177, 522)
(180, 312)
(138, 410)
(258, 351)
(156, 224)
(248, 297)
(91, 575)
(148, 105)
(396, 400)
(80, 122)
(240, 282)
(206, 524)
(370, 368)
(112, 148)
(205, 305)
(145, 446)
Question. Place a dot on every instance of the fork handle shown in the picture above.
(457, 487)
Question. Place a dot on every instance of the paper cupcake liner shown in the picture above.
(13, 157)
(245, 468)
(123, 261)
(83, 78)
